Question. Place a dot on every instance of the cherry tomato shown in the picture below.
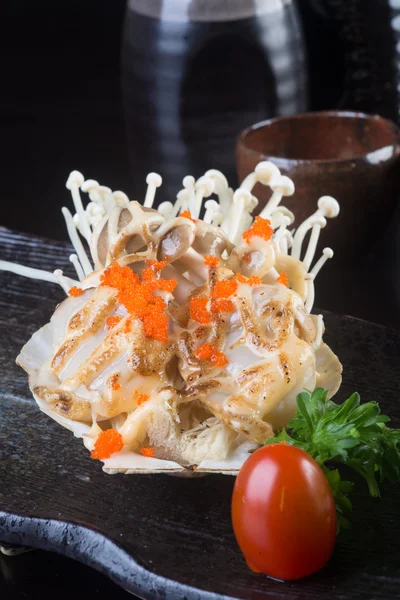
(283, 513)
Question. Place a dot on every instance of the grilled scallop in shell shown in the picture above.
(187, 345)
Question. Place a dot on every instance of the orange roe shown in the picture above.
(119, 277)
(219, 359)
(186, 215)
(147, 452)
(247, 257)
(139, 297)
(75, 291)
(224, 289)
(261, 228)
(147, 275)
(156, 326)
(211, 261)
(253, 280)
(141, 398)
(208, 352)
(128, 326)
(283, 279)
(198, 310)
(108, 442)
(222, 305)
(166, 285)
(153, 266)
(204, 351)
(112, 322)
(156, 265)
(114, 382)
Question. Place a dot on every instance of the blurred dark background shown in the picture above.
(60, 106)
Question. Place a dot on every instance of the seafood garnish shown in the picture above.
(184, 341)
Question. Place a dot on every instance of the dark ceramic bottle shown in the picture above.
(196, 72)
(354, 54)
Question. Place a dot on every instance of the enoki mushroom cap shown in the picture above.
(217, 175)
(188, 181)
(75, 179)
(89, 185)
(328, 206)
(154, 179)
(205, 185)
(266, 172)
(282, 184)
(120, 198)
(328, 252)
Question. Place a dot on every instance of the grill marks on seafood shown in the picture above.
(65, 403)
(84, 324)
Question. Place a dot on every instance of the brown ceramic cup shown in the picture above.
(353, 157)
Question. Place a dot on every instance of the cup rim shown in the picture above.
(390, 125)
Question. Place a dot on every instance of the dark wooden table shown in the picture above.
(60, 109)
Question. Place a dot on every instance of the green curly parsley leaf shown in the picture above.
(351, 434)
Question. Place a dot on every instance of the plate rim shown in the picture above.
(51, 534)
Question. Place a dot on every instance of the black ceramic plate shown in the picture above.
(161, 536)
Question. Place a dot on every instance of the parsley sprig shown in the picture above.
(351, 434)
